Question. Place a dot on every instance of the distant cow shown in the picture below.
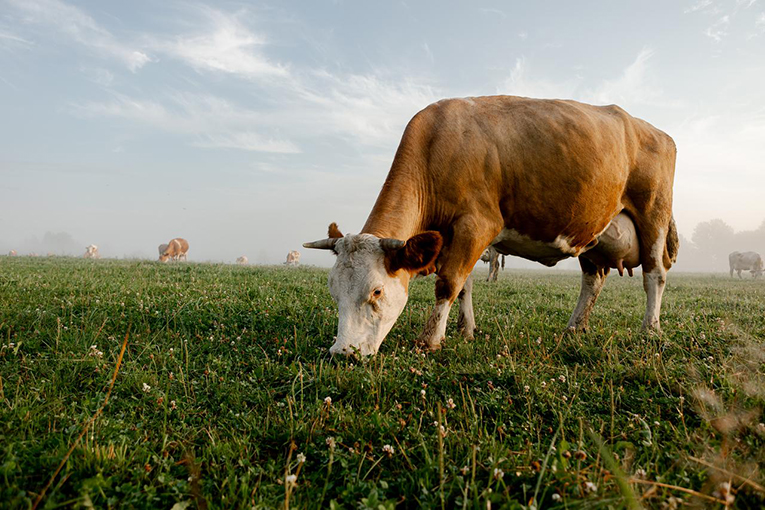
(91, 252)
(746, 261)
(176, 250)
(491, 255)
(162, 248)
(12, 253)
(242, 261)
(293, 258)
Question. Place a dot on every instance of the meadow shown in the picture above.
(226, 395)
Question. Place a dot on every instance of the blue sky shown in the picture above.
(247, 127)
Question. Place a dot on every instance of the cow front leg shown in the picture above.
(593, 279)
(455, 263)
(466, 320)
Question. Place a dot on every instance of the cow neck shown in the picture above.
(399, 210)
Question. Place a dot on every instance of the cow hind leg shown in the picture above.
(655, 262)
(466, 320)
(593, 279)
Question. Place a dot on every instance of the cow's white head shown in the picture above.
(370, 283)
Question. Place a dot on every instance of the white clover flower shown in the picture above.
(498, 473)
(301, 458)
(290, 480)
(556, 497)
(146, 388)
(172, 405)
(422, 393)
(543, 384)
(328, 401)
(526, 388)
(464, 470)
(590, 487)
(389, 450)
(331, 443)
(450, 404)
(562, 378)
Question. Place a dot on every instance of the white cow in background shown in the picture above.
(91, 252)
(12, 253)
(491, 255)
(242, 261)
(746, 261)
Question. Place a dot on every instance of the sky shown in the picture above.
(247, 127)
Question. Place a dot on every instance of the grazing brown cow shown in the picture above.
(242, 261)
(91, 252)
(746, 261)
(541, 179)
(293, 258)
(491, 255)
(176, 250)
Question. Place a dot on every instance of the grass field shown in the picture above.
(227, 397)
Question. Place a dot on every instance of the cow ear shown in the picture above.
(418, 254)
(333, 231)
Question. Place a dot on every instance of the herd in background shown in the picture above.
(175, 250)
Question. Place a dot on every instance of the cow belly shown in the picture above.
(511, 242)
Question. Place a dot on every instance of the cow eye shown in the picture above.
(377, 293)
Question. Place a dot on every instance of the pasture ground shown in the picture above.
(222, 397)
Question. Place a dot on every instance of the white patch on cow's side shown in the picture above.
(510, 242)
(363, 322)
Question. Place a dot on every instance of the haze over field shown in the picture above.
(248, 127)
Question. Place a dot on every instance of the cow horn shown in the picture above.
(391, 244)
(323, 244)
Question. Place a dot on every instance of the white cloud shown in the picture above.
(719, 29)
(225, 44)
(701, 4)
(365, 107)
(760, 23)
(7, 38)
(98, 75)
(212, 122)
(81, 28)
(248, 141)
(521, 83)
(494, 12)
(633, 86)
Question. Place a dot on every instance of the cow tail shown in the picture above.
(673, 241)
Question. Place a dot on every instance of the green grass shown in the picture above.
(223, 385)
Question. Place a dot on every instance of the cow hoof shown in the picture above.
(652, 328)
(467, 333)
(575, 330)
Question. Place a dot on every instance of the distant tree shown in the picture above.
(714, 240)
